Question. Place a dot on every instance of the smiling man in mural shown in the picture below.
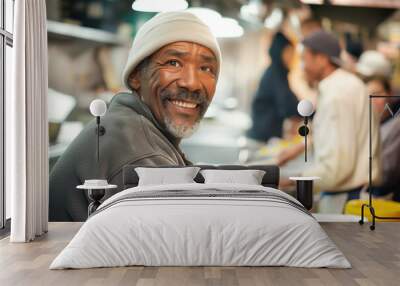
(171, 72)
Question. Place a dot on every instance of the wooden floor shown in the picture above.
(375, 257)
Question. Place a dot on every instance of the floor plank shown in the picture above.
(375, 257)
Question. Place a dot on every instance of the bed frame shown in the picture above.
(271, 178)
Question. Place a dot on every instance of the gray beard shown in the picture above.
(179, 131)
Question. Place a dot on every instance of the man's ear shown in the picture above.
(134, 80)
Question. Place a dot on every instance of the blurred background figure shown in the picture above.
(297, 78)
(373, 63)
(340, 126)
(376, 70)
(274, 101)
(309, 26)
(352, 51)
(388, 111)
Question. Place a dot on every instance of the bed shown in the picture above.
(201, 224)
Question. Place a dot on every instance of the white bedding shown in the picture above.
(189, 230)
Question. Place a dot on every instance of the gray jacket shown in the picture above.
(133, 136)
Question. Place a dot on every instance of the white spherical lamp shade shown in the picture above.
(305, 108)
(98, 107)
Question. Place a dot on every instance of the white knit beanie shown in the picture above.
(166, 28)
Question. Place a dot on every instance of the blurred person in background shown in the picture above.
(274, 101)
(309, 26)
(352, 52)
(339, 128)
(373, 63)
(297, 79)
(389, 112)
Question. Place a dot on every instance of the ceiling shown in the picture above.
(366, 16)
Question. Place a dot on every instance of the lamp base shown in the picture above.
(96, 191)
(95, 195)
(305, 193)
(304, 190)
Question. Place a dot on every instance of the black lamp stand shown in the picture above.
(100, 131)
(370, 202)
(96, 194)
(303, 131)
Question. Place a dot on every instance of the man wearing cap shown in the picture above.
(340, 126)
(171, 72)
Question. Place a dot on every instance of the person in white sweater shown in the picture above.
(340, 127)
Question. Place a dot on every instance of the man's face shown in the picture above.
(178, 85)
(313, 65)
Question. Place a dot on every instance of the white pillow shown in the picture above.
(248, 177)
(162, 176)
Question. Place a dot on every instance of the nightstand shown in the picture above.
(304, 190)
(96, 192)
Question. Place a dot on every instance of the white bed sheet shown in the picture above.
(200, 231)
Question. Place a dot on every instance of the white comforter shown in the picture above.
(182, 231)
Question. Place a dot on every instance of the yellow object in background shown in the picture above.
(274, 148)
(383, 208)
